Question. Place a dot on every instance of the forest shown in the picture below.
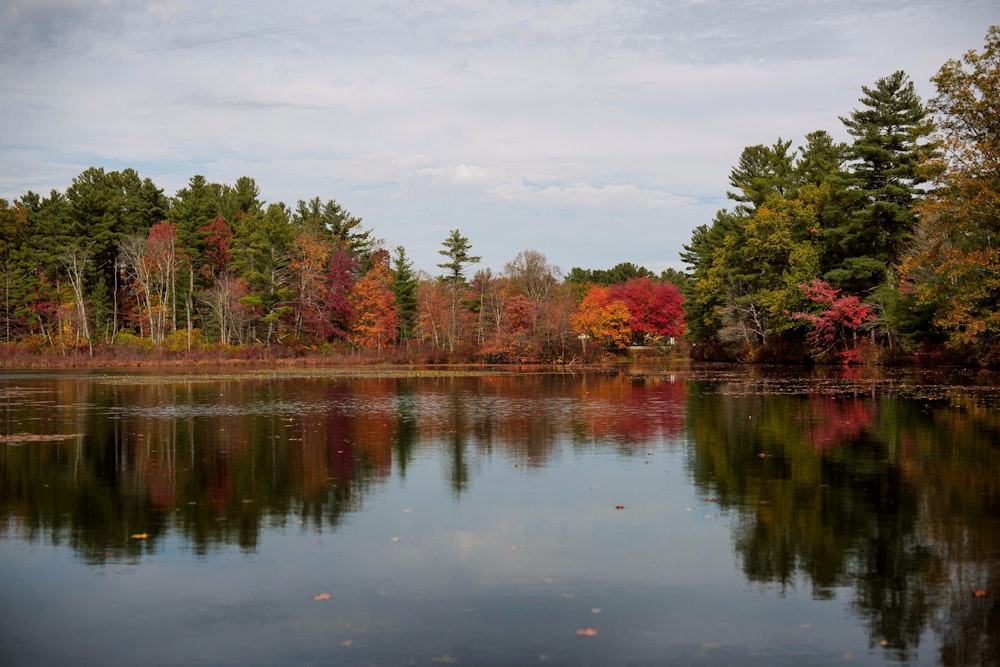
(883, 249)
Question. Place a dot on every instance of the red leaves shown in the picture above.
(217, 235)
(843, 316)
(655, 308)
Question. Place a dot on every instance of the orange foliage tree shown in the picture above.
(375, 320)
(604, 319)
(954, 269)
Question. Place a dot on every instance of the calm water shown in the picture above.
(695, 518)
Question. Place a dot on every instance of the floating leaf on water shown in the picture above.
(444, 659)
(140, 536)
(587, 632)
(19, 438)
(619, 507)
(347, 642)
(979, 594)
(595, 610)
(322, 596)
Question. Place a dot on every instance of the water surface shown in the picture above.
(741, 517)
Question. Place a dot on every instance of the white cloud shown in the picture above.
(584, 195)
(549, 125)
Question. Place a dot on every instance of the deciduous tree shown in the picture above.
(603, 319)
(835, 328)
(954, 269)
(375, 323)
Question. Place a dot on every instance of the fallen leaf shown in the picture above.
(619, 507)
(595, 610)
(347, 642)
(444, 659)
(322, 596)
(140, 536)
(979, 594)
(587, 632)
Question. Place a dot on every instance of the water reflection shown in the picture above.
(882, 491)
(216, 460)
(896, 499)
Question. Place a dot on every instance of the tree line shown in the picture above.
(881, 248)
(114, 266)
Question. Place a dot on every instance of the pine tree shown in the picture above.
(404, 289)
(890, 140)
(456, 248)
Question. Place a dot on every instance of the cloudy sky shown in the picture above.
(594, 131)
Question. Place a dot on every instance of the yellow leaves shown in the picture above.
(140, 536)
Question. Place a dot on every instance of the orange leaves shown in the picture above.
(586, 632)
(603, 319)
(322, 596)
(374, 305)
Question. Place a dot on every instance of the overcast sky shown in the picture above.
(593, 131)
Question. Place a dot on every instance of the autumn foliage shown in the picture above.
(836, 327)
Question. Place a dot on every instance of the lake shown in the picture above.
(716, 516)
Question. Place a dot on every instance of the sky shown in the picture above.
(592, 131)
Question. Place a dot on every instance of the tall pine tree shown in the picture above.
(891, 138)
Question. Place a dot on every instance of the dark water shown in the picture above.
(693, 518)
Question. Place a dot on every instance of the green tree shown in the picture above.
(13, 235)
(261, 246)
(404, 289)
(338, 225)
(890, 134)
(456, 249)
(761, 172)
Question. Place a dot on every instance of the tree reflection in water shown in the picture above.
(895, 499)
(890, 496)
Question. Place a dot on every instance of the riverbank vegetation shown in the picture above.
(879, 250)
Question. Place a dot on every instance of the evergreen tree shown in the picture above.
(338, 225)
(404, 289)
(761, 172)
(261, 246)
(456, 249)
(890, 140)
